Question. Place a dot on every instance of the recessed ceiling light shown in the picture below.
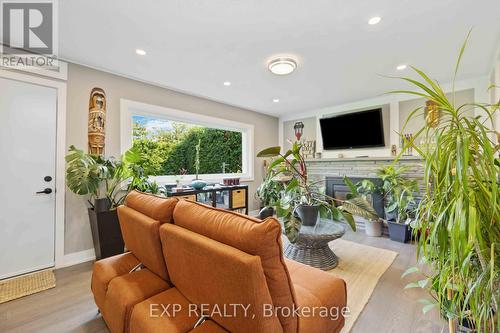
(140, 52)
(276, 100)
(401, 67)
(374, 20)
(227, 83)
(282, 66)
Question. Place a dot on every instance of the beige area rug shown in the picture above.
(361, 267)
(26, 285)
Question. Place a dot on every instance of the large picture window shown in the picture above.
(169, 147)
(169, 138)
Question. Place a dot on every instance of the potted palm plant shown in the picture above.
(460, 208)
(302, 201)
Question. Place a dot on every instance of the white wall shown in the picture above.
(476, 88)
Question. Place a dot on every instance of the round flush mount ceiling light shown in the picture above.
(276, 100)
(374, 20)
(401, 67)
(282, 66)
(140, 52)
(227, 83)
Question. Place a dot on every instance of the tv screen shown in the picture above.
(353, 130)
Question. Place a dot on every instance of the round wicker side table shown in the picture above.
(311, 247)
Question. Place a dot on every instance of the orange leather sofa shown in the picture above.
(194, 268)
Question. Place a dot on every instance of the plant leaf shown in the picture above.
(409, 271)
(269, 152)
(292, 227)
(412, 285)
(350, 220)
(360, 207)
(428, 308)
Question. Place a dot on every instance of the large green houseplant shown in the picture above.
(458, 217)
(106, 182)
(300, 192)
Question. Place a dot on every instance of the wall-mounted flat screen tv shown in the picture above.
(363, 129)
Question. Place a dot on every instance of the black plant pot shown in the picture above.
(266, 212)
(106, 233)
(399, 232)
(308, 214)
(102, 205)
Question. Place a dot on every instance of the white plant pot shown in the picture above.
(373, 228)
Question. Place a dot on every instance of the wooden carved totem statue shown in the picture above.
(432, 113)
(97, 121)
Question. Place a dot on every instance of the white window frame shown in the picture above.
(129, 108)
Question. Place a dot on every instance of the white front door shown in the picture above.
(27, 166)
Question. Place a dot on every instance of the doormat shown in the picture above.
(27, 284)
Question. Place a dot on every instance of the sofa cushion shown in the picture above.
(107, 269)
(126, 291)
(142, 236)
(209, 272)
(253, 236)
(166, 312)
(316, 288)
(157, 208)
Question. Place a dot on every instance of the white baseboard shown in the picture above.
(76, 258)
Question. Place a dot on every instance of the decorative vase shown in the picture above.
(308, 214)
(373, 228)
(198, 184)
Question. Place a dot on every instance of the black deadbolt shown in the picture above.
(47, 178)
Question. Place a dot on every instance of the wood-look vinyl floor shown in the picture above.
(70, 306)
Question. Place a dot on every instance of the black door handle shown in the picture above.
(46, 191)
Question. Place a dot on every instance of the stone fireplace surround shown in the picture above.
(332, 171)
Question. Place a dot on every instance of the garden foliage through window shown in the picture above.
(169, 147)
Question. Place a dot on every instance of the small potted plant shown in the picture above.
(365, 189)
(399, 228)
(197, 183)
(392, 180)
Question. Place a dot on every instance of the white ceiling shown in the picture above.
(195, 45)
